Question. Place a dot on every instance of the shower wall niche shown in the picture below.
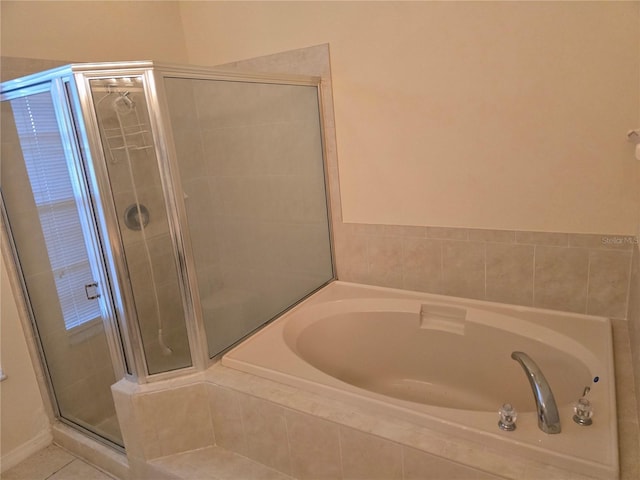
(198, 198)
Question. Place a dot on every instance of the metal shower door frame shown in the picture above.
(59, 84)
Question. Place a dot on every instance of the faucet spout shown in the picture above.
(548, 416)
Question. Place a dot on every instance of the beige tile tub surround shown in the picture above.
(579, 273)
(307, 436)
(628, 428)
(365, 437)
(631, 362)
(300, 435)
(213, 463)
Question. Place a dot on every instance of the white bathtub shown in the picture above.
(445, 363)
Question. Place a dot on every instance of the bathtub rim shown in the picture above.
(296, 325)
(609, 466)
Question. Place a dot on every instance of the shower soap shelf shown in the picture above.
(138, 130)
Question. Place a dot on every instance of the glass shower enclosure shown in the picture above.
(157, 215)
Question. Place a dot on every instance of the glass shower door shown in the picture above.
(59, 259)
(250, 161)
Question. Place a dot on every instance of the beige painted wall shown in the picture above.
(25, 425)
(507, 115)
(92, 31)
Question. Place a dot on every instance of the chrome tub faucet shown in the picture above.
(547, 410)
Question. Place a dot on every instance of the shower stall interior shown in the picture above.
(156, 215)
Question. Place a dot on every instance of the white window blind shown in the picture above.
(54, 197)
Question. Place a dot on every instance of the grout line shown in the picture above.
(485, 270)
(586, 301)
(286, 432)
(441, 271)
(441, 266)
(210, 415)
(533, 287)
(629, 285)
(62, 467)
(245, 442)
(403, 256)
(367, 255)
(340, 452)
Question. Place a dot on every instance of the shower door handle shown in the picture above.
(91, 290)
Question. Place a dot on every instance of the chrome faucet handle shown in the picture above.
(583, 410)
(508, 417)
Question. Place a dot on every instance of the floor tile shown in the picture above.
(79, 470)
(54, 463)
(40, 465)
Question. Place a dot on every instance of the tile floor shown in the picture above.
(54, 463)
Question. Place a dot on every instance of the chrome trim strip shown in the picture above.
(34, 80)
(25, 91)
(111, 69)
(78, 163)
(178, 223)
(327, 183)
(191, 71)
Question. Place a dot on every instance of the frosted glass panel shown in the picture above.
(251, 166)
(134, 176)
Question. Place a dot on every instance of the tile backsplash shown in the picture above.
(580, 273)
